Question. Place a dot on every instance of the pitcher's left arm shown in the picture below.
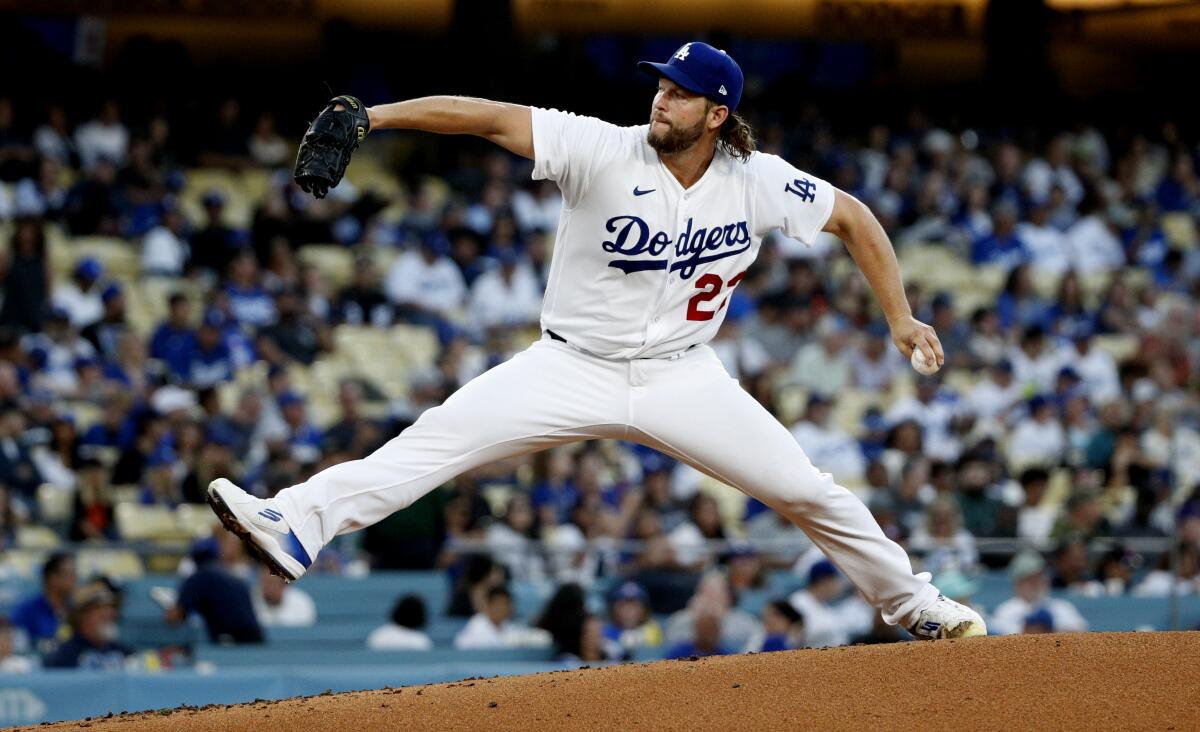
(853, 223)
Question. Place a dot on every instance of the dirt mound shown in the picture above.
(1081, 681)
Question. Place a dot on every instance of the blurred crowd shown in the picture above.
(1034, 430)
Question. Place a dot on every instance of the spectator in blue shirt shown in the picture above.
(249, 303)
(1020, 304)
(1181, 188)
(706, 640)
(1003, 246)
(215, 594)
(17, 469)
(209, 361)
(174, 340)
(93, 644)
(630, 623)
(160, 485)
(303, 437)
(41, 617)
(555, 494)
(783, 628)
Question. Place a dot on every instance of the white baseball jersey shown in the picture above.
(643, 268)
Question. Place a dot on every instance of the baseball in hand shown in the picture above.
(921, 365)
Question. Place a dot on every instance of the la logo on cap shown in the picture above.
(683, 52)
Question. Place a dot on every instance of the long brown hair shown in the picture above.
(737, 136)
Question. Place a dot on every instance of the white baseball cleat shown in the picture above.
(261, 527)
(946, 618)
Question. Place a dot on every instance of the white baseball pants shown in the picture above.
(687, 407)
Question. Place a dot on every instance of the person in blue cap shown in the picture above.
(80, 297)
(660, 223)
(630, 624)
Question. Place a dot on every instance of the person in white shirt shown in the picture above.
(1035, 521)
(1094, 246)
(933, 407)
(427, 281)
(277, 603)
(1039, 439)
(660, 223)
(1043, 174)
(946, 545)
(875, 364)
(10, 662)
(1096, 368)
(995, 396)
(493, 628)
(103, 138)
(1028, 573)
(1171, 444)
(507, 295)
(832, 448)
(165, 251)
(511, 544)
(713, 597)
(266, 146)
(826, 622)
(1161, 581)
(80, 297)
(404, 632)
(824, 366)
(537, 208)
(1049, 249)
(1035, 364)
(52, 139)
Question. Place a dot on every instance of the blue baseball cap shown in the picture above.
(88, 268)
(630, 591)
(288, 398)
(110, 292)
(162, 455)
(702, 69)
(1041, 617)
(820, 570)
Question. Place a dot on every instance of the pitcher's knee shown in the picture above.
(803, 494)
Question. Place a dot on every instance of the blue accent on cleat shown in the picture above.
(296, 550)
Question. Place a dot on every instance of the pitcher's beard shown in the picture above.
(674, 140)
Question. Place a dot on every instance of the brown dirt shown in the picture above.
(1081, 681)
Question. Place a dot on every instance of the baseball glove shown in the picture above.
(331, 138)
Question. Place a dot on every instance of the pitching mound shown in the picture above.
(1084, 681)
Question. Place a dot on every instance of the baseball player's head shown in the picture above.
(699, 89)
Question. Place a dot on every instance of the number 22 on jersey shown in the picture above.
(710, 286)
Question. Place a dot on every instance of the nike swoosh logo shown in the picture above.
(636, 192)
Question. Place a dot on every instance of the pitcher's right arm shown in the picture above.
(508, 125)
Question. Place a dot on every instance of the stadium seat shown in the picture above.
(1180, 230)
(1120, 347)
(126, 493)
(790, 401)
(334, 260)
(136, 521)
(195, 520)
(849, 408)
(37, 537)
(120, 564)
(367, 175)
(18, 562)
(119, 257)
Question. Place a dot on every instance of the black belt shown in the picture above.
(560, 339)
